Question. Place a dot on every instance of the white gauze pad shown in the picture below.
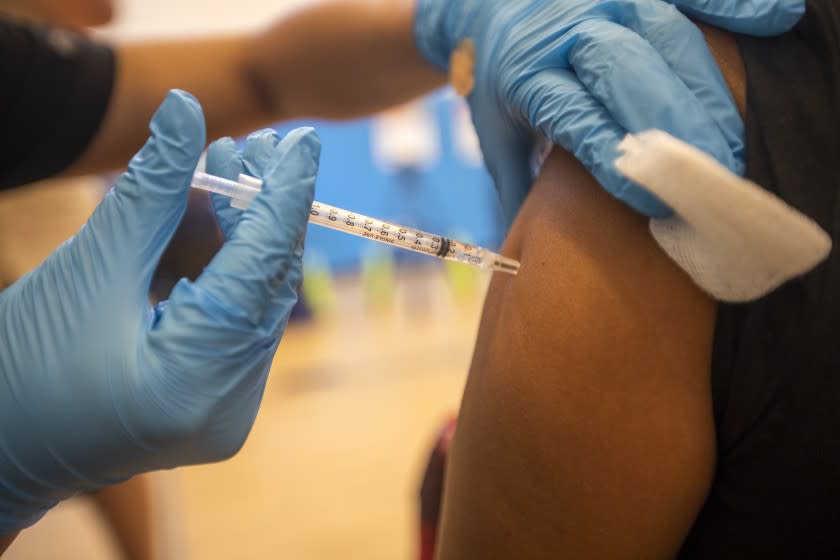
(737, 241)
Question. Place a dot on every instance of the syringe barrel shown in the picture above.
(376, 230)
(419, 241)
(399, 236)
(225, 187)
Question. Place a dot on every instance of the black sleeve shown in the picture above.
(55, 86)
(776, 361)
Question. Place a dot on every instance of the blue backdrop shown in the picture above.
(453, 197)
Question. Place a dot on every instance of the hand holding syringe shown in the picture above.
(244, 191)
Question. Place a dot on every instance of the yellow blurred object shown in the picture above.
(318, 287)
(378, 278)
(463, 280)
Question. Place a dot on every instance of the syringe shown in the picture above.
(245, 189)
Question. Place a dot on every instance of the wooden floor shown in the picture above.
(333, 465)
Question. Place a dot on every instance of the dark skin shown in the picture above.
(586, 429)
(129, 510)
(80, 13)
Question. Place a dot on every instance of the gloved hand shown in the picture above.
(95, 385)
(585, 72)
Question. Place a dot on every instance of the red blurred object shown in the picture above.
(431, 491)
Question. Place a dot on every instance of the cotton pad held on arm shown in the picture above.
(737, 241)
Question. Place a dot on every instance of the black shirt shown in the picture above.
(55, 86)
(776, 362)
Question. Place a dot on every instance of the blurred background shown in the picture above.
(368, 373)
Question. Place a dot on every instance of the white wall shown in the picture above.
(155, 18)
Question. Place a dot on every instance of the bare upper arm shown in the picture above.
(586, 429)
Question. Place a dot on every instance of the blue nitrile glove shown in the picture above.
(95, 385)
(585, 72)
(762, 18)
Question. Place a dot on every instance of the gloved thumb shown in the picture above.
(507, 150)
(136, 221)
(509, 163)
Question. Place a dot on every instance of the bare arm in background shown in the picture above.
(333, 59)
(82, 13)
(586, 429)
(130, 510)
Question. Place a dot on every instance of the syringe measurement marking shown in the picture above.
(375, 229)
(369, 228)
(243, 192)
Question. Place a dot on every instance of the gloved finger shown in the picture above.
(683, 47)
(225, 161)
(762, 18)
(638, 88)
(507, 151)
(133, 225)
(252, 282)
(562, 108)
(260, 150)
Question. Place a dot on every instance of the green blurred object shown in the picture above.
(463, 281)
(318, 288)
(378, 278)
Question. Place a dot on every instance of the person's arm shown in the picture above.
(331, 59)
(586, 429)
(80, 13)
(129, 509)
